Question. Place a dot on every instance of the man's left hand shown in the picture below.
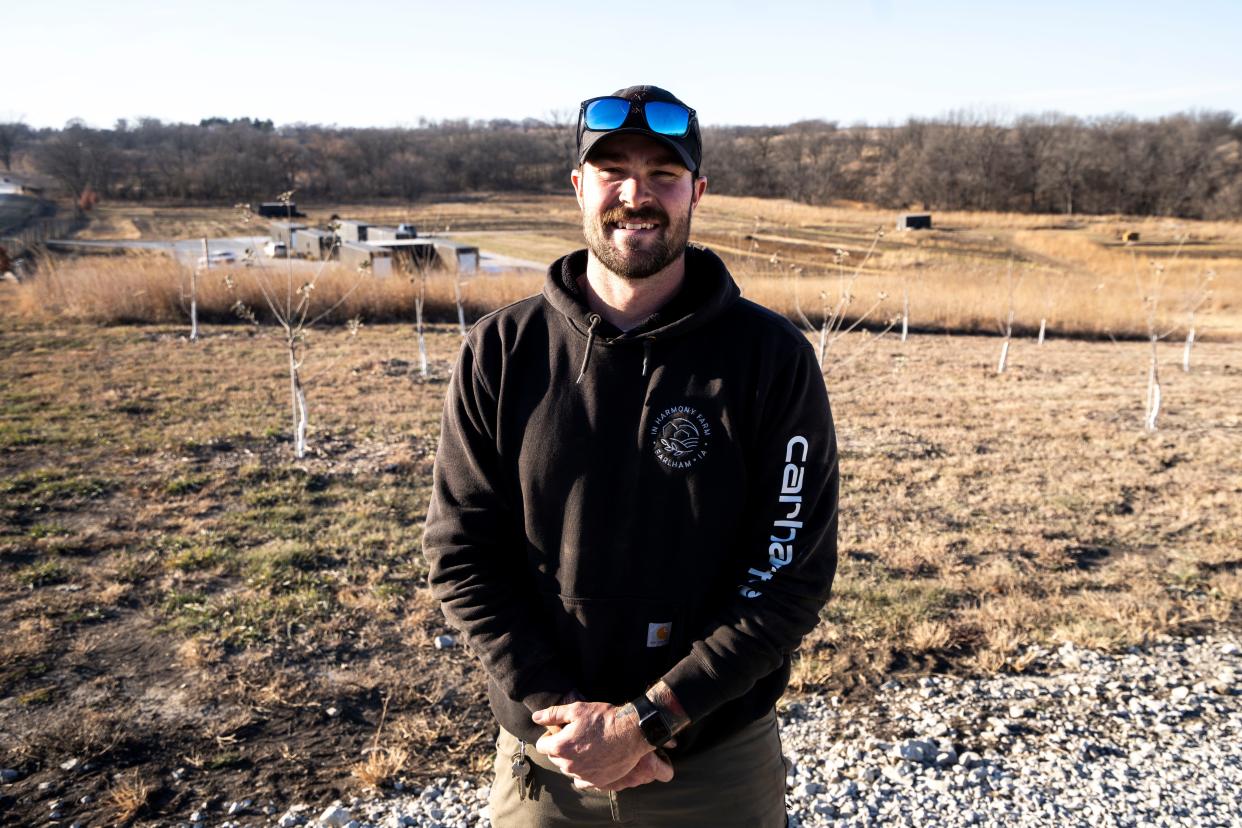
(593, 743)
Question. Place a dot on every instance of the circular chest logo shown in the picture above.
(679, 436)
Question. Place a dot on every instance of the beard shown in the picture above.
(639, 258)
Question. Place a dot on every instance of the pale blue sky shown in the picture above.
(366, 63)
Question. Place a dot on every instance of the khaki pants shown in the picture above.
(737, 783)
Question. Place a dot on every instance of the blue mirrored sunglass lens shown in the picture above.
(608, 113)
(667, 118)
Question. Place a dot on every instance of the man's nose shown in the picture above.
(634, 192)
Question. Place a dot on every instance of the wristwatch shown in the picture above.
(652, 722)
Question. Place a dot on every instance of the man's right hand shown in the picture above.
(653, 767)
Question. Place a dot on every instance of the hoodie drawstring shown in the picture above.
(586, 355)
(647, 353)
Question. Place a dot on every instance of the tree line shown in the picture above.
(1187, 165)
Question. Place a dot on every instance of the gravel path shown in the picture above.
(1151, 738)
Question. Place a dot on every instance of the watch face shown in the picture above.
(655, 728)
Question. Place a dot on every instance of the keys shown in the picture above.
(520, 766)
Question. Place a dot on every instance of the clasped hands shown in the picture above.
(599, 749)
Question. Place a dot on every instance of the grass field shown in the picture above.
(187, 606)
(179, 593)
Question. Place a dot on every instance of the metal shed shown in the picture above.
(357, 254)
(282, 231)
(462, 258)
(914, 221)
(409, 254)
(378, 233)
(313, 244)
(352, 231)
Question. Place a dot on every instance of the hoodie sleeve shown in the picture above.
(473, 554)
(790, 547)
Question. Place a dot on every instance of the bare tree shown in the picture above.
(1197, 299)
(78, 157)
(1006, 326)
(1151, 297)
(291, 308)
(12, 133)
(419, 277)
(833, 318)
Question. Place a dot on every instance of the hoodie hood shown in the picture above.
(706, 292)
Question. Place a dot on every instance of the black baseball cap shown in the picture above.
(689, 147)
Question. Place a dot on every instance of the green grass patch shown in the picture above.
(224, 761)
(278, 563)
(17, 435)
(43, 573)
(394, 591)
(248, 618)
(39, 531)
(891, 605)
(193, 557)
(186, 484)
(52, 488)
(43, 695)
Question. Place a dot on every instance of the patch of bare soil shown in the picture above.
(198, 724)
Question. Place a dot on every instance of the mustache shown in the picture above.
(619, 214)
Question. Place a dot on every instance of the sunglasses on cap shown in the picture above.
(661, 117)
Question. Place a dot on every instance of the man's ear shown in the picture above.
(575, 176)
(700, 186)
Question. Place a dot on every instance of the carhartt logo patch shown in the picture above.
(659, 634)
(679, 436)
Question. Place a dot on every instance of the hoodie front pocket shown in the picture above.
(617, 647)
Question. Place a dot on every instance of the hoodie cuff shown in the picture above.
(695, 686)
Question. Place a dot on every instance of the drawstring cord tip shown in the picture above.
(586, 355)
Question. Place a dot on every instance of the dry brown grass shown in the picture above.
(929, 635)
(199, 652)
(129, 289)
(1072, 272)
(1075, 274)
(381, 767)
(155, 289)
(809, 672)
(29, 639)
(129, 795)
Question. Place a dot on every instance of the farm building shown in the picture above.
(408, 254)
(431, 252)
(914, 221)
(313, 244)
(360, 254)
(383, 234)
(282, 231)
(462, 258)
(352, 231)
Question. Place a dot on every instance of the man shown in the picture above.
(634, 511)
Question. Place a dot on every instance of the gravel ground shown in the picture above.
(1149, 738)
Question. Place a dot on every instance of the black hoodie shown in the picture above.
(612, 508)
